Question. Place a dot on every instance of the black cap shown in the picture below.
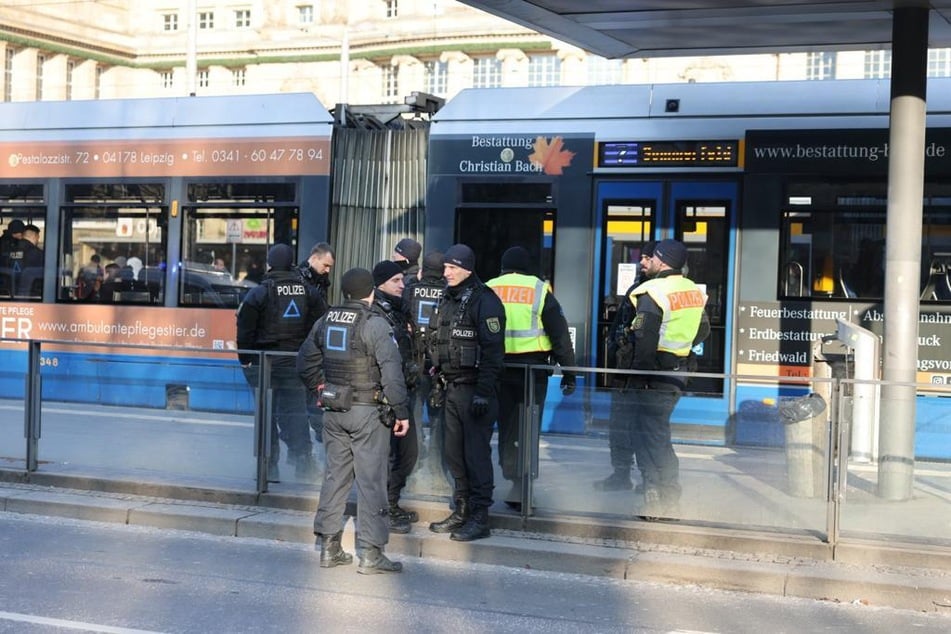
(16, 226)
(409, 249)
(356, 284)
(384, 270)
(31, 227)
(280, 257)
(647, 250)
(516, 259)
(673, 253)
(460, 255)
(432, 264)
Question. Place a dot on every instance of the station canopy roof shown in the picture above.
(663, 28)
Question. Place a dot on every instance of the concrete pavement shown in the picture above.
(755, 561)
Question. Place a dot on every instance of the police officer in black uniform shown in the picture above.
(467, 348)
(420, 296)
(404, 450)
(620, 355)
(277, 315)
(12, 250)
(351, 358)
(315, 270)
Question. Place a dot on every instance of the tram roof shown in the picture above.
(656, 28)
(283, 114)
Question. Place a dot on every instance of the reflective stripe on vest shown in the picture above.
(523, 297)
(682, 302)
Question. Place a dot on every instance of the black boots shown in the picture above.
(455, 521)
(332, 553)
(374, 562)
(620, 480)
(477, 527)
(401, 520)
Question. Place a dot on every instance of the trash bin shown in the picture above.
(800, 417)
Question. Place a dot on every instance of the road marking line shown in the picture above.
(73, 625)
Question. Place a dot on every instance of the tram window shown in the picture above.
(113, 244)
(21, 251)
(506, 192)
(225, 239)
(837, 249)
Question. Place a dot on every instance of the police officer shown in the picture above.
(277, 315)
(421, 296)
(467, 349)
(536, 333)
(12, 250)
(406, 253)
(315, 271)
(670, 315)
(351, 358)
(620, 355)
(404, 450)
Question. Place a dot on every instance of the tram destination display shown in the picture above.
(668, 154)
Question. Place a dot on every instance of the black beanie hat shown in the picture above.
(647, 250)
(516, 259)
(385, 270)
(280, 257)
(673, 253)
(356, 284)
(460, 255)
(409, 249)
(432, 264)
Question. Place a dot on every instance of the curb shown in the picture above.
(867, 582)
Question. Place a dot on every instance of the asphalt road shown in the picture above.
(61, 575)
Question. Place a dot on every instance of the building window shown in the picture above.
(305, 14)
(8, 75)
(242, 18)
(544, 70)
(939, 62)
(40, 63)
(169, 21)
(390, 84)
(437, 77)
(239, 77)
(203, 79)
(820, 65)
(168, 79)
(486, 72)
(878, 64)
(604, 72)
(206, 19)
(70, 68)
(392, 9)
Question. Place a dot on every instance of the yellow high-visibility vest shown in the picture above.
(523, 297)
(682, 302)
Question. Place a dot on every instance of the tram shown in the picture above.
(778, 189)
(154, 218)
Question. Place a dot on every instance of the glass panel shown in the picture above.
(870, 508)
(113, 245)
(764, 465)
(13, 364)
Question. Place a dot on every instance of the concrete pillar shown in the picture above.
(903, 250)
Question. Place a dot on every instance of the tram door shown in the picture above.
(490, 231)
(701, 214)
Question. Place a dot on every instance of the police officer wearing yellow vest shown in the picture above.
(352, 359)
(670, 313)
(536, 333)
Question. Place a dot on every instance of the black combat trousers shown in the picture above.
(469, 445)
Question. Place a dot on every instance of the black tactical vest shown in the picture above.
(346, 358)
(455, 348)
(286, 325)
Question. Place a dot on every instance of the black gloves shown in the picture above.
(567, 384)
(479, 406)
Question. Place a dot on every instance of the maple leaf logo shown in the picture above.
(550, 157)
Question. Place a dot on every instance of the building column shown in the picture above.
(514, 67)
(458, 72)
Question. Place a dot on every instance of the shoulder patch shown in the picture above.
(493, 324)
(638, 322)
